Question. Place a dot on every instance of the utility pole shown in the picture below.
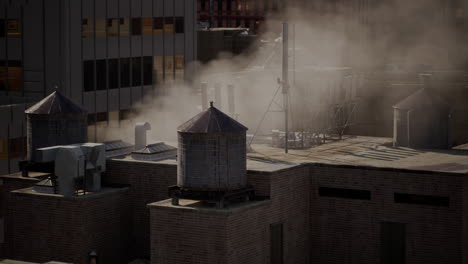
(285, 86)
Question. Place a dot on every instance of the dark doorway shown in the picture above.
(276, 242)
(392, 243)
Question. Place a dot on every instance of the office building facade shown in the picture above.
(106, 55)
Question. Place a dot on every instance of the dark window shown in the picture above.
(147, 70)
(91, 119)
(17, 147)
(228, 5)
(102, 117)
(126, 114)
(220, 5)
(113, 73)
(136, 71)
(124, 72)
(101, 74)
(203, 5)
(276, 243)
(421, 199)
(2, 28)
(392, 243)
(136, 26)
(345, 193)
(179, 26)
(158, 23)
(88, 75)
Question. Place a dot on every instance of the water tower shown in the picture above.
(212, 158)
(55, 120)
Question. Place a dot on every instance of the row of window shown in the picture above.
(247, 5)
(11, 76)
(136, 71)
(126, 114)
(14, 148)
(10, 28)
(398, 197)
(135, 26)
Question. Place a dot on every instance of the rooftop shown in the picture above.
(371, 152)
(199, 206)
(352, 151)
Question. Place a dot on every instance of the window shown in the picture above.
(179, 25)
(147, 26)
(179, 65)
(94, 118)
(168, 25)
(147, 70)
(220, 5)
(112, 27)
(101, 117)
(158, 25)
(169, 61)
(2, 230)
(88, 75)
(11, 77)
(158, 70)
(136, 71)
(2, 28)
(3, 149)
(126, 114)
(421, 199)
(14, 28)
(136, 26)
(100, 27)
(228, 7)
(113, 73)
(87, 28)
(17, 148)
(124, 26)
(203, 5)
(345, 193)
(101, 74)
(124, 72)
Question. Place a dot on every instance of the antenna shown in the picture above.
(285, 86)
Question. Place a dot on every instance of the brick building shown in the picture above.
(356, 200)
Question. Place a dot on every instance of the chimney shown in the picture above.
(140, 134)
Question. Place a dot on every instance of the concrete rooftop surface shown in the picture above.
(368, 151)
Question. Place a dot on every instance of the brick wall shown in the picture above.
(45, 227)
(348, 230)
(8, 184)
(148, 183)
(187, 235)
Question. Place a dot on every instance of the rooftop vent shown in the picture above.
(140, 134)
(117, 148)
(422, 120)
(155, 152)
